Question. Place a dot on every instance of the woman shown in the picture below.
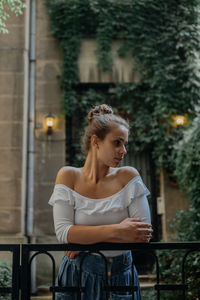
(100, 202)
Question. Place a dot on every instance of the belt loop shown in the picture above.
(125, 260)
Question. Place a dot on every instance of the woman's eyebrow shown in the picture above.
(121, 139)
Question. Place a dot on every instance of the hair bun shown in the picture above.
(98, 110)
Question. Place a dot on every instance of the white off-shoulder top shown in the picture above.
(70, 208)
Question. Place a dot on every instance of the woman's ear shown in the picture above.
(94, 141)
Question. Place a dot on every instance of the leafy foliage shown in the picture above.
(163, 39)
(186, 223)
(188, 163)
(188, 174)
(6, 6)
(5, 278)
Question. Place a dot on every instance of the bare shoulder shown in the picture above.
(67, 175)
(127, 173)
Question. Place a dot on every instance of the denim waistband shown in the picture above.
(96, 263)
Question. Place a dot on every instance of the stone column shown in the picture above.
(172, 200)
(11, 127)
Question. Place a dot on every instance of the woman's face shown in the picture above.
(112, 149)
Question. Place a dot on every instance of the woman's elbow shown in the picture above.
(61, 234)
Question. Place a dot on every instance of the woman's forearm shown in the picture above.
(82, 234)
(128, 231)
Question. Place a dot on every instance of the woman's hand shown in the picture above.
(72, 254)
(134, 231)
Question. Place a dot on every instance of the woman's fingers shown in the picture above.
(139, 222)
(144, 234)
(72, 254)
(135, 230)
(142, 224)
(134, 219)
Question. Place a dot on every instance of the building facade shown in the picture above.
(30, 68)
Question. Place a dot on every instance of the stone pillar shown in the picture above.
(11, 126)
(172, 200)
(49, 151)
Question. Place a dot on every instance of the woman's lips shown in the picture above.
(118, 159)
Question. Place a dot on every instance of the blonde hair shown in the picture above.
(100, 121)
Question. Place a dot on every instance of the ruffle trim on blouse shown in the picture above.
(118, 201)
(62, 193)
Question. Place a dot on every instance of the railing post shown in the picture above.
(14, 289)
(25, 274)
(15, 272)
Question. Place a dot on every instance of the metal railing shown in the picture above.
(30, 251)
(14, 289)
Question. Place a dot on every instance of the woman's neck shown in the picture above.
(93, 169)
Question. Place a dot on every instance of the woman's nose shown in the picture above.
(123, 150)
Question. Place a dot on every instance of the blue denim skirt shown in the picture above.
(93, 277)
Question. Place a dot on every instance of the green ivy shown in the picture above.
(7, 6)
(186, 223)
(5, 278)
(188, 173)
(163, 38)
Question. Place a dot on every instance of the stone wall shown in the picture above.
(49, 152)
(122, 71)
(11, 124)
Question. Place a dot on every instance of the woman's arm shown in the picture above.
(128, 231)
(139, 208)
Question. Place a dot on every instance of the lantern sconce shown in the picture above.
(49, 124)
(179, 120)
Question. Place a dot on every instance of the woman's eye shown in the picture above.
(117, 143)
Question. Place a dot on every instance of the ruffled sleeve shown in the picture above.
(62, 201)
(61, 193)
(138, 206)
(135, 188)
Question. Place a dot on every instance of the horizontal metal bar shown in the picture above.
(66, 289)
(6, 290)
(110, 288)
(172, 287)
(9, 247)
(113, 246)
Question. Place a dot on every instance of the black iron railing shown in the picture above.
(30, 251)
(14, 289)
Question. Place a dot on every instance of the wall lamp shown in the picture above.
(50, 123)
(179, 120)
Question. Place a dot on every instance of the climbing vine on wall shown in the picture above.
(186, 224)
(163, 38)
(7, 7)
